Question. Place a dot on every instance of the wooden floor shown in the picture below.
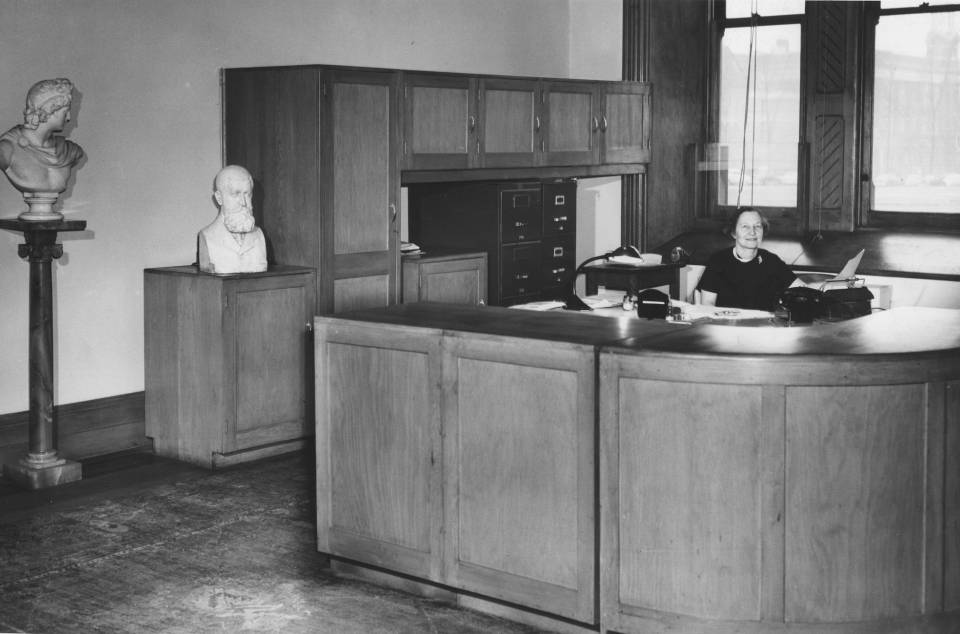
(144, 543)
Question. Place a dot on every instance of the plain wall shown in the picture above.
(148, 117)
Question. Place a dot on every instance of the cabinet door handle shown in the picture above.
(472, 123)
(393, 212)
(596, 124)
(536, 123)
(603, 123)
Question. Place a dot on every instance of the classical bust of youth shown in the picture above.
(35, 158)
(232, 243)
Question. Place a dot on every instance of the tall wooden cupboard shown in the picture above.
(321, 144)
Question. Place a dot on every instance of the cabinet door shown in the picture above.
(519, 472)
(511, 124)
(625, 122)
(460, 280)
(440, 122)
(570, 123)
(267, 319)
(379, 498)
(361, 245)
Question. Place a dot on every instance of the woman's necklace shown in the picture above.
(736, 254)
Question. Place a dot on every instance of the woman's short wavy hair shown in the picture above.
(44, 98)
(730, 226)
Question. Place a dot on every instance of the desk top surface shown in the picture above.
(900, 331)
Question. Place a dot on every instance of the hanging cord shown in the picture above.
(751, 76)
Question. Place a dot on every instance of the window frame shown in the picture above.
(781, 216)
(868, 216)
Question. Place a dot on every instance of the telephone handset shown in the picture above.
(627, 249)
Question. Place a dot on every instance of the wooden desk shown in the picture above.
(759, 481)
(632, 278)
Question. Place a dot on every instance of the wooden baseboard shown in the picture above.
(85, 429)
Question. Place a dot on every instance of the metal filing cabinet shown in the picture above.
(526, 228)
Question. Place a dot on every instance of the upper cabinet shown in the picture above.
(456, 122)
(440, 122)
(625, 122)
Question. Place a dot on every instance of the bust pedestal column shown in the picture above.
(42, 466)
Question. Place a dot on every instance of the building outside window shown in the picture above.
(916, 101)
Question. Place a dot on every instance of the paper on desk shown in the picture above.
(645, 259)
(849, 269)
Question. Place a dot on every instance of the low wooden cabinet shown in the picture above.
(227, 363)
(459, 278)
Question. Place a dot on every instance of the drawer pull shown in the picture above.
(558, 252)
(562, 269)
(519, 224)
(521, 276)
(559, 218)
(560, 200)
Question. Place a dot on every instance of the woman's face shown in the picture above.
(748, 231)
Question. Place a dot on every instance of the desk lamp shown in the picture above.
(573, 301)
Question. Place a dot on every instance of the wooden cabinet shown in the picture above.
(322, 146)
(227, 363)
(471, 464)
(625, 122)
(459, 278)
(440, 122)
(527, 230)
(458, 122)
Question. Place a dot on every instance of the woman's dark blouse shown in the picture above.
(755, 284)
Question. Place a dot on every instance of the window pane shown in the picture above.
(770, 174)
(916, 130)
(904, 4)
(742, 8)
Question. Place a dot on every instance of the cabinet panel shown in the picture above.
(361, 163)
(270, 344)
(378, 467)
(843, 562)
(625, 122)
(440, 121)
(510, 122)
(518, 470)
(571, 125)
(458, 279)
(352, 293)
(686, 548)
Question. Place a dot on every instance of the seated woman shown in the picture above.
(746, 276)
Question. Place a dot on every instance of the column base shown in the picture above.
(30, 476)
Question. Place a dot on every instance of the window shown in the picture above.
(916, 97)
(759, 104)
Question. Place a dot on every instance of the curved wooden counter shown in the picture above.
(751, 480)
(783, 479)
